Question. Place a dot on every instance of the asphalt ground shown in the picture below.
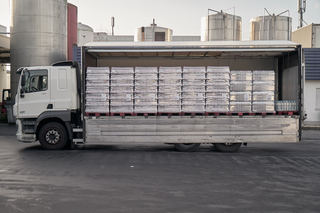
(260, 178)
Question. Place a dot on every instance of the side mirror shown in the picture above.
(22, 93)
(23, 80)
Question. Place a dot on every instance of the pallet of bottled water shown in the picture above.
(122, 90)
(193, 89)
(263, 90)
(169, 92)
(97, 90)
(286, 106)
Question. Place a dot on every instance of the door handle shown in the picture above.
(50, 106)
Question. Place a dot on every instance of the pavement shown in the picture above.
(260, 178)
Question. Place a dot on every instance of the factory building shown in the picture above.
(4, 60)
(153, 33)
(309, 38)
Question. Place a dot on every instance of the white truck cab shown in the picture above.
(47, 96)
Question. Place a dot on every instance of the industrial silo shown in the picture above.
(271, 27)
(153, 33)
(38, 34)
(221, 26)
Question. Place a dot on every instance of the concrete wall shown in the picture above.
(316, 36)
(120, 38)
(102, 36)
(148, 33)
(312, 100)
(308, 36)
(186, 38)
(303, 36)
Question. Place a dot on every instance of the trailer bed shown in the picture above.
(198, 129)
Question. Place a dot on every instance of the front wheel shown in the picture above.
(227, 147)
(187, 147)
(53, 136)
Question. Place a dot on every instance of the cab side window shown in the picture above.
(36, 81)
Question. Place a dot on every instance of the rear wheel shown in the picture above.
(187, 147)
(227, 147)
(53, 136)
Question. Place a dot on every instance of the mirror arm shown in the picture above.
(21, 93)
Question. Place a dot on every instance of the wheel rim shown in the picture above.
(53, 136)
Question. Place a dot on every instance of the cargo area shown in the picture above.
(204, 85)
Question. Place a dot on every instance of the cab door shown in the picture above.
(34, 94)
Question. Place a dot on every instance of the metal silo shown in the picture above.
(221, 26)
(38, 34)
(271, 27)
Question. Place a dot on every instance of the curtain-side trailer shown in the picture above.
(64, 118)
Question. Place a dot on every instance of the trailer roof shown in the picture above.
(212, 46)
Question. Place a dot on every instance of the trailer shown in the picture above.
(63, 117)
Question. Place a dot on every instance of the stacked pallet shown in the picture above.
(263, 91)
(193, 89)
(217, 89)
(97, 90)
(286, 106)
(240, 91)
(121, 90)
(146, 83)
(169, 94)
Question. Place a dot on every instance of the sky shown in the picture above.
(183, 16)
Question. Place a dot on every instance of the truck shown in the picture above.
(50, 105)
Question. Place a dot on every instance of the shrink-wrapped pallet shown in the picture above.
(241, 96)
(241, 91)
(146, 81)
(261, 86)
(264, 75)
(286, 106)
(217, 89)
(263, 96)
(241, 86)
(121, 90)
(263, 91)
(193, 108)
(267, 107)
(218, 95)
(241, 75)
(169, 94)
(193, 89)
(217, 107)
(97, 90)
(240, 107)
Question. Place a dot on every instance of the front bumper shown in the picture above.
(25, 138)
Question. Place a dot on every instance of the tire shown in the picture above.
(227, 147)
(53, 136)
(187, 147)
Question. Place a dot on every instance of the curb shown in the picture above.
(311, 128)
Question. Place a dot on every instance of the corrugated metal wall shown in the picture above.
(77, 54)
(312, 63)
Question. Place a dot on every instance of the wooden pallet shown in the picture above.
(192, 114)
